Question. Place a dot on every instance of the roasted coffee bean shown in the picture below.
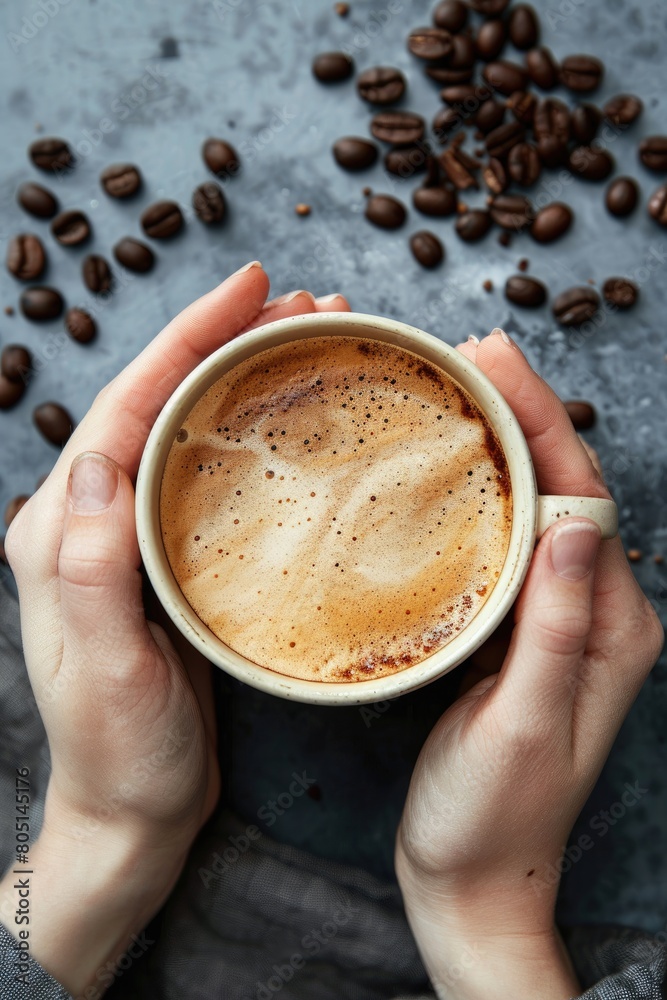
(14, 506)
(353, 153)
(445, 121)
(10, 392)
(15, 362)
(208, 202)
(449, 77)
(463, 53)
(121, 180)
(657, 206)
(623, 109)
(511, 211)
(551, 222)
(523, 104)
(384, 211)
(51, 154)
(80, 325)
(580, 413)
(70, 228)
(162, 220)
(505, 77)
(96, 273)
(134, 255)
(590, 163)
(41, 304)
(36, 200)
(653, 153)
(495, 176)
(502, 139)
(542, 68)
(406, 161)
(400, 128)
(26, 258)
(552, 151)
(220, 158)
(576, 305)
(53, 422)
(524, 28)
(465, 96)
(489, 8)
(620, 292)
(622, 196)
(450, 15)
(332, 67)
(585, 122)
(491, 39)
(430, 44)
(552, 117)
(435, 201)
(581, 73)
(473, 225)
(490, 116)
(459, 168)
(427, 248)
(526, 292)
(381, 85)
(524, 164)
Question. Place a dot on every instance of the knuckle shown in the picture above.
(17, 540)
(563, 634)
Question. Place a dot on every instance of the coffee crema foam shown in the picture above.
(336, 509)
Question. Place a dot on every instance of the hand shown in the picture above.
(131, 728)
(507, 769)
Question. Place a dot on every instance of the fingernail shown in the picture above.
(472, 339)
(574, 548)
(247, 267)
(328, 298)
(497, 332)
(93, 483)
(282, 300)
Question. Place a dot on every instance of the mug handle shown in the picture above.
(550, 509)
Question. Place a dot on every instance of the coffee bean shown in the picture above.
(435, 201)
(524, 29)
(623, 109)
(36, 200)
(26, 258)
(490, 116)
(459, 167)
(590, 163)
(465, 96)
(220, 158)
(473, 225)
(581, 73)
(70, 228)
(331, 67)
(653, 153)
(585, 122)
(381, 85)
(427, 248)
(430, 44)
(511, 211)
(529, 293)
(41, 304)
(97, 276)
(80, 325)
(622, 196)
(576, 305)
(542, 68)
(657, 206)
(552, 151)
(51, 154)
(449, 77)
(551, 222)
(10, 392)
(162, 220)
(16, 363)
(14, 506)
(406, 161)
(502, 139)
(342, 9)
(505, 76)
(451, 15)
(121, 180)
(523, 105)
(400, 128)
(491, 39)
(53, 422)
(384, 211)
(353, 153)
(552, 117)
(208, 202)
(580, 413)
(302, 209)
(620, 292)
(445, 121)
(134, 255)
(489, 8)
(463, 54)
(495, 176)
(524, 164)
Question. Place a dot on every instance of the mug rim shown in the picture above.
(495, 409)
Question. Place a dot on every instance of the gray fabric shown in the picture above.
(37, 985)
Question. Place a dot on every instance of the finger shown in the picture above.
(593, 455)
(299, 303)
(469, 349)
(332, 303)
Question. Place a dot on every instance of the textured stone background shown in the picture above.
(241, 70)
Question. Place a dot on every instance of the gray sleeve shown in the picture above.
(617, 963)
(21, 977)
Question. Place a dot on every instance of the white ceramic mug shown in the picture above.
(532, 514)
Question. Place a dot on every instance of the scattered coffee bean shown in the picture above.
(331, 67)
(342, 9)
(529, 293)
(552, 118)
(121, 180)
(473, 224)
(576, 305)
(430, 44)
(208, 202)
(220, 158)
(353, 153)
(96, 273)
(162, 220)
(384, 211)
(502, 139)
(542, 68)
(451, 15)
(449, 77)
(36, 200)
(400, 128)
(653, 153)
(523, 105)
(70, 228)
(445, 121)
(80, 325)
(464, 96)
(505, 238)
(623, 109)
(581, 73)
(591, 163)
(489, 8)
(427, 248)
(134, 255)
(552, 151)
(511, 211)
(41, 304)
(505, 76)
(491, 39)
(381, 85)
(9, 310)
(551, 222)
(3, 554)
(14, 506)
(634, 555)
(585, 122)
(463, 54)
(524, 164)
(523, 264)
(495, 176)
(487, 285)
(10, 392)
(524, 29)
(620, 292)
(580, 413)
(622, 196)
(435, 201)
(16, 363)
(657, 206)
(459, 167)
(302, 209)
(490, 116)
(26, 258)
(53, 422)
(658, 559)
(406, 161)
(51, 154)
